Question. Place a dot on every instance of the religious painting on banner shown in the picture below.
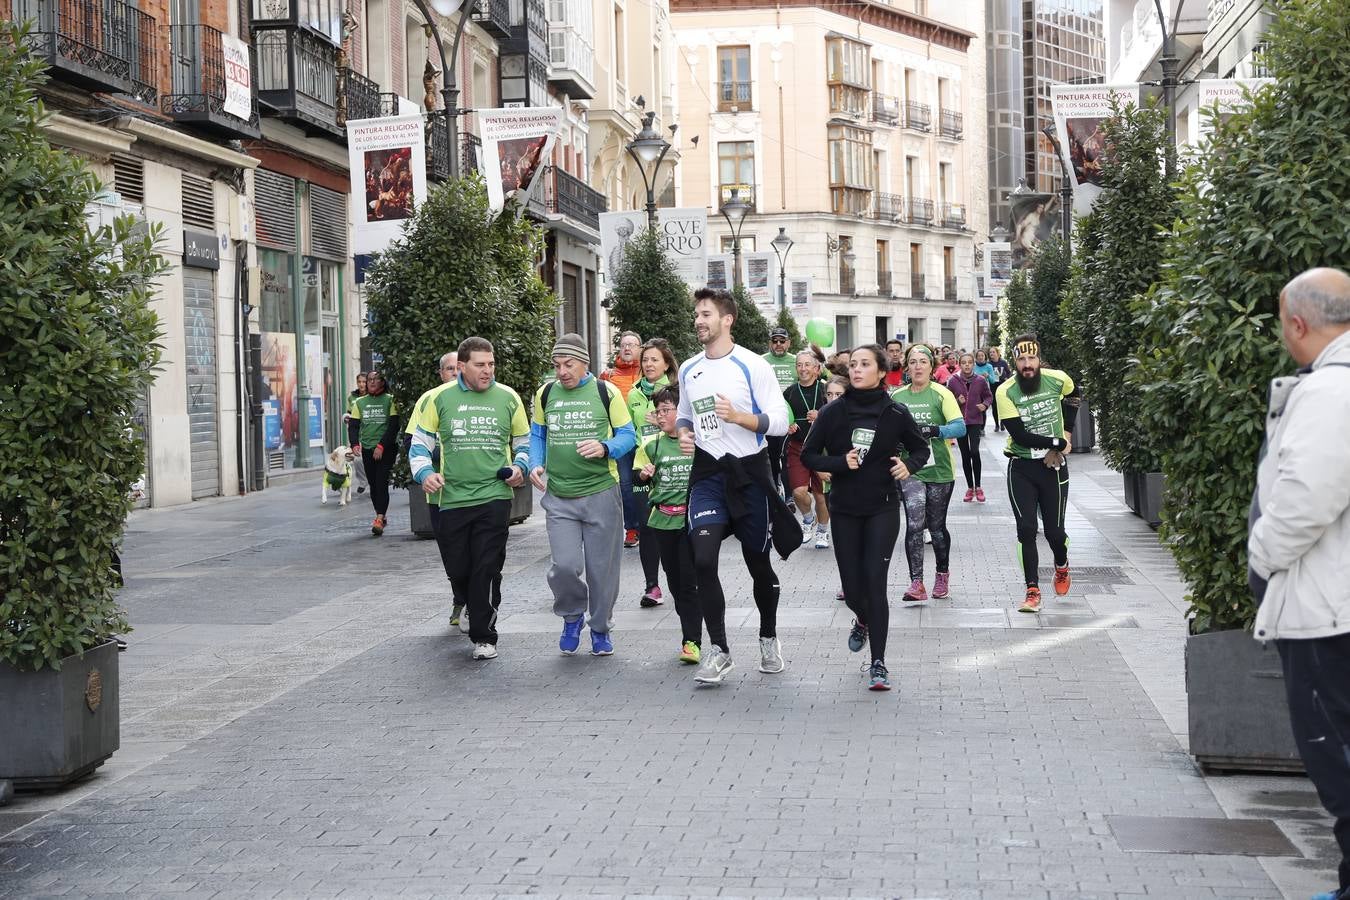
(617, 231)
(517, 147)
(1080, 111)
(1033, 218)
(388, 167)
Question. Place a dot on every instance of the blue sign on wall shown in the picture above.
(271, 424)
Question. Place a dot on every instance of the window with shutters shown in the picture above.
(327, 223)
(129, 178)
(274, 201)
(199, 202)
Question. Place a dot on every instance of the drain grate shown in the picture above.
(1221, 837)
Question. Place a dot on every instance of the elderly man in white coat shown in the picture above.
(1299, 542)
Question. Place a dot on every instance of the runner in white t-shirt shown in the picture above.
(729, 403)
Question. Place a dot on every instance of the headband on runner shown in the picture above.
(1028, 348)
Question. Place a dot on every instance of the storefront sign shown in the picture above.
(517, 144)
(389, 177)
(200, 250)
(1080, 111)
(238, 78)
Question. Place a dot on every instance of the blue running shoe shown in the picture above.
(601, 643)
(1330, 895)
(880, 679)
(571, 636)
(857, 636)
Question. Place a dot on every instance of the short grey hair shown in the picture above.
(1320, 297)
(445, 360)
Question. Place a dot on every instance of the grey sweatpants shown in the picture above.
(585, 534)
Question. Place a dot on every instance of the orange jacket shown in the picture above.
(623, 377)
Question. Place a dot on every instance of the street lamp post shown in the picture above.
(1065, 189)
(734, 211)
(648, 148)
(781, 245)
(1170, 66)
(449, 86)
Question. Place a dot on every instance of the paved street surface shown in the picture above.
(299, 721)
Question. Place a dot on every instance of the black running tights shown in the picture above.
(926, 507)
(377, 473)
(706, 541)
(678, 560)
(970, 454)
(1032, 485)
(863, 546)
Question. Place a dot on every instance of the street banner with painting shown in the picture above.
(1033, 218)
(1080, 110)
(617, 231)
(719, 271)
(389, 177)
(761, 279)
(517, 145)
(1223, 96)
(799, 294)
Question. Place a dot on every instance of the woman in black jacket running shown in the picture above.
(866, 440)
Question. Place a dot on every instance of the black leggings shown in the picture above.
(649, 552)
(970, 453)
(926, 507)
(706, 541)
(1032, 485)
(863, 546)
(377, 473)
(677, 557)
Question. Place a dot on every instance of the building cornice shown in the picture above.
(868, 12)
(186, 144)
(78, 134)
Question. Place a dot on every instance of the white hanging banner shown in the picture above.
(719, 271)
(1079, 113)
(684, 237)
(799, 293)
(517, 145)
(998, 261)
(388, 164)
(617, 231)
(1228, 95)
(238, 77)
(761, 278)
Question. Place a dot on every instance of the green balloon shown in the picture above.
(820, 332)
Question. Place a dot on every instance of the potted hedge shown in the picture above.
(1120, 248)
(78, 348)
(648, 296)
(1263, 201)
(460, 270)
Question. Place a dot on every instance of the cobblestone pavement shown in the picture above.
(299, 721)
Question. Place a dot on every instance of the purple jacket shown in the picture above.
(974, 391)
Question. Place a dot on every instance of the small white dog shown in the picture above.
(337, 475)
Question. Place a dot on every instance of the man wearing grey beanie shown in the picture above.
(580, 427)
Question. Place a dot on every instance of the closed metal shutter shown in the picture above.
(274, 197)
(199, 317)
(327, 223)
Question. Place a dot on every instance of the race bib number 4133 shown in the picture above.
(706, 423)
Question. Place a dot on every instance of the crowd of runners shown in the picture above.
(780, 450)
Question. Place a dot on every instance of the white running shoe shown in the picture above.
(715, 667)
(808, 527)
(771, 656)
(822, 540)
(484, 651)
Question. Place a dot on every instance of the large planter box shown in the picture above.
(59, 724)
(1152, 487)
(419, 514)
(522, 503)
(1084, 429)
(1131, 480)
(1239, 715)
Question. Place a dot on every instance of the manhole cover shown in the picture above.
(1222, 837)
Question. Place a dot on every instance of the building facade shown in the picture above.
(845, 126)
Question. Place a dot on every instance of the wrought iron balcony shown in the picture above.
(888, 207)
(733, 95)
(494, 16)
(949, 287)
(571, 197)
(438, 147)
(950, 124)
(297, 77)
(848, 282)
(360, 98)
(918, 116)
(472, 155)
(884, 284)
(919, 211)
(197, 67)
(954, 215)
(885, 109)
(100, 45)
(917, 289)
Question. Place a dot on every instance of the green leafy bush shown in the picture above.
(459, 271)
(1120, 247)
(78, 348)
(1266, 200)
(647, 295)
(787, 320)
(751, 329)
(1014, 308)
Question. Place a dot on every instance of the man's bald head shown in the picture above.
(1314, 311)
